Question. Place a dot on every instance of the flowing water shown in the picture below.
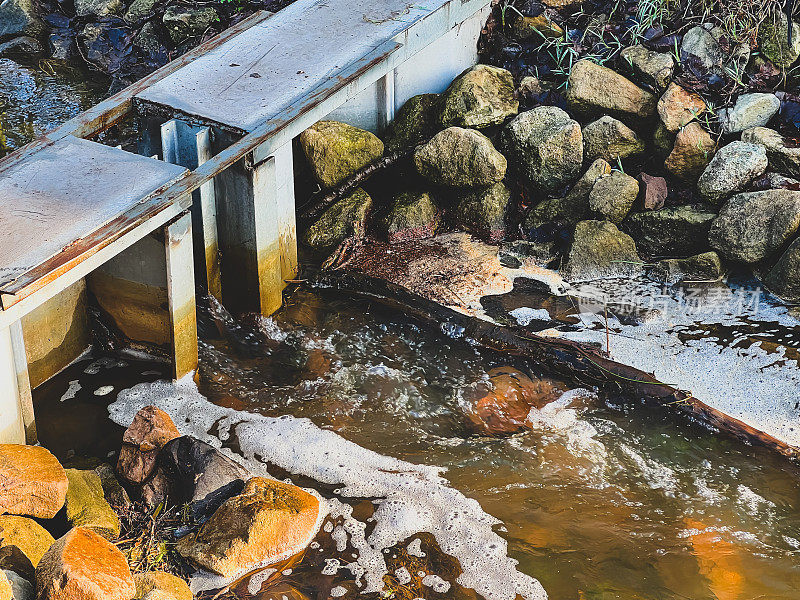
(600, 499)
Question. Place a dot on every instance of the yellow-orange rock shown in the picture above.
(6, 593)
(150, 430)
(32, 481)
(269, 521)
(27, 535)
(82, 565)
(678, 107)
(505, 409)
(719, 561)
(158, 585)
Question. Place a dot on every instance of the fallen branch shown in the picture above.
(317, 204)
(576, 363)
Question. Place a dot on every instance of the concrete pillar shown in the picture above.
(147, 291)
(190, 146)
(17, 424)
(253, 209)
(386, 100)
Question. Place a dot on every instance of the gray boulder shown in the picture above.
(750, 110)
(613, 195)
(483, 212)
(139, 10)
(185, 22)
(783, 157)
(677, 231)
(610, 139)
(344, 219)
(480, 97)
(598, 250)
(784, 278)
(701, 46)
(21, 588)
(754, 225)
(414, 122)
(574, 206)
(98, 8)
(705, 267)
(460, 158)
(651, 68)
(413, 216)
(545, 145)
(732, 169)
(594, 90)
(19, 18)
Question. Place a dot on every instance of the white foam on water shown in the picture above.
(657, 475)
(104, 390)
(752, 502)
(72, 390)
(750, 384)
(257, 580)
(436, 583)
(524, 315)
(415, 498)
(414, 548)
(561, 418)
(338, 591)
(403, 576)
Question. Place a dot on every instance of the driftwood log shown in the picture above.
(577, 363)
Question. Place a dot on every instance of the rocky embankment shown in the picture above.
(625, 178)
(62, 538)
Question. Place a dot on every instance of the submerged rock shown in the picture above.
(483, 212)
(705, 267)
(32, 481)
(336, 150)
(344, 219)
(545, 146)
(574, 206)
(783, 157)
(750, 110)
(504, 410)
(86, 504)
(158, 585)
(535, 28)
(150, 430)
(675, 231)
(460, 158)
(269, 521)
(732, 169)
(415, 122)
(480, 97)
(413, 216)
(82, 565)
(32, 539)
(784, 278)
(613, 195)
(594, 90)
(185, 22)
(773, 41)
(610, 139)
(754, 225)
(599, 249)
(678, 107)
(693, 149)
(651, 68)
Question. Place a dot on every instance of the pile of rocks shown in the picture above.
(239, 522)
(576, 173)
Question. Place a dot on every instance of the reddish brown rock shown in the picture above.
(678, 107)
(32, 481)
(269, 521)
(84, 566)
(505, 409)
(652, 190)
(150, 430)
(692, 152)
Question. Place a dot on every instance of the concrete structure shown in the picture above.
(211, 191)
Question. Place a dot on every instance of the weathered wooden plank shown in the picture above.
(12, 420)
(55, 203)
(24, 396)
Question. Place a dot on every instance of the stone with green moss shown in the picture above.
(677, 231)
(480, 97)
(784, 278)
(773, 40)
(460, 158)
(613, 195)
(86, 504)
(185, 22)
(705, 267)
(483, 212)
(32, 539)
(158, 585)
(414, 215)
(344, 219)
(414, 122)
(599, 249)
(336, 150)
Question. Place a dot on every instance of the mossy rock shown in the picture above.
(460, 158)
(773, 41)
(184, 22)
(336, 150)
(483, 212)
(413, 216)
(415, 122)
(32, 539)
(480, 97)
(677, 231)
(86, 504)
(705, 267)
(599, 249)
(344, 219)
(158, 585)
